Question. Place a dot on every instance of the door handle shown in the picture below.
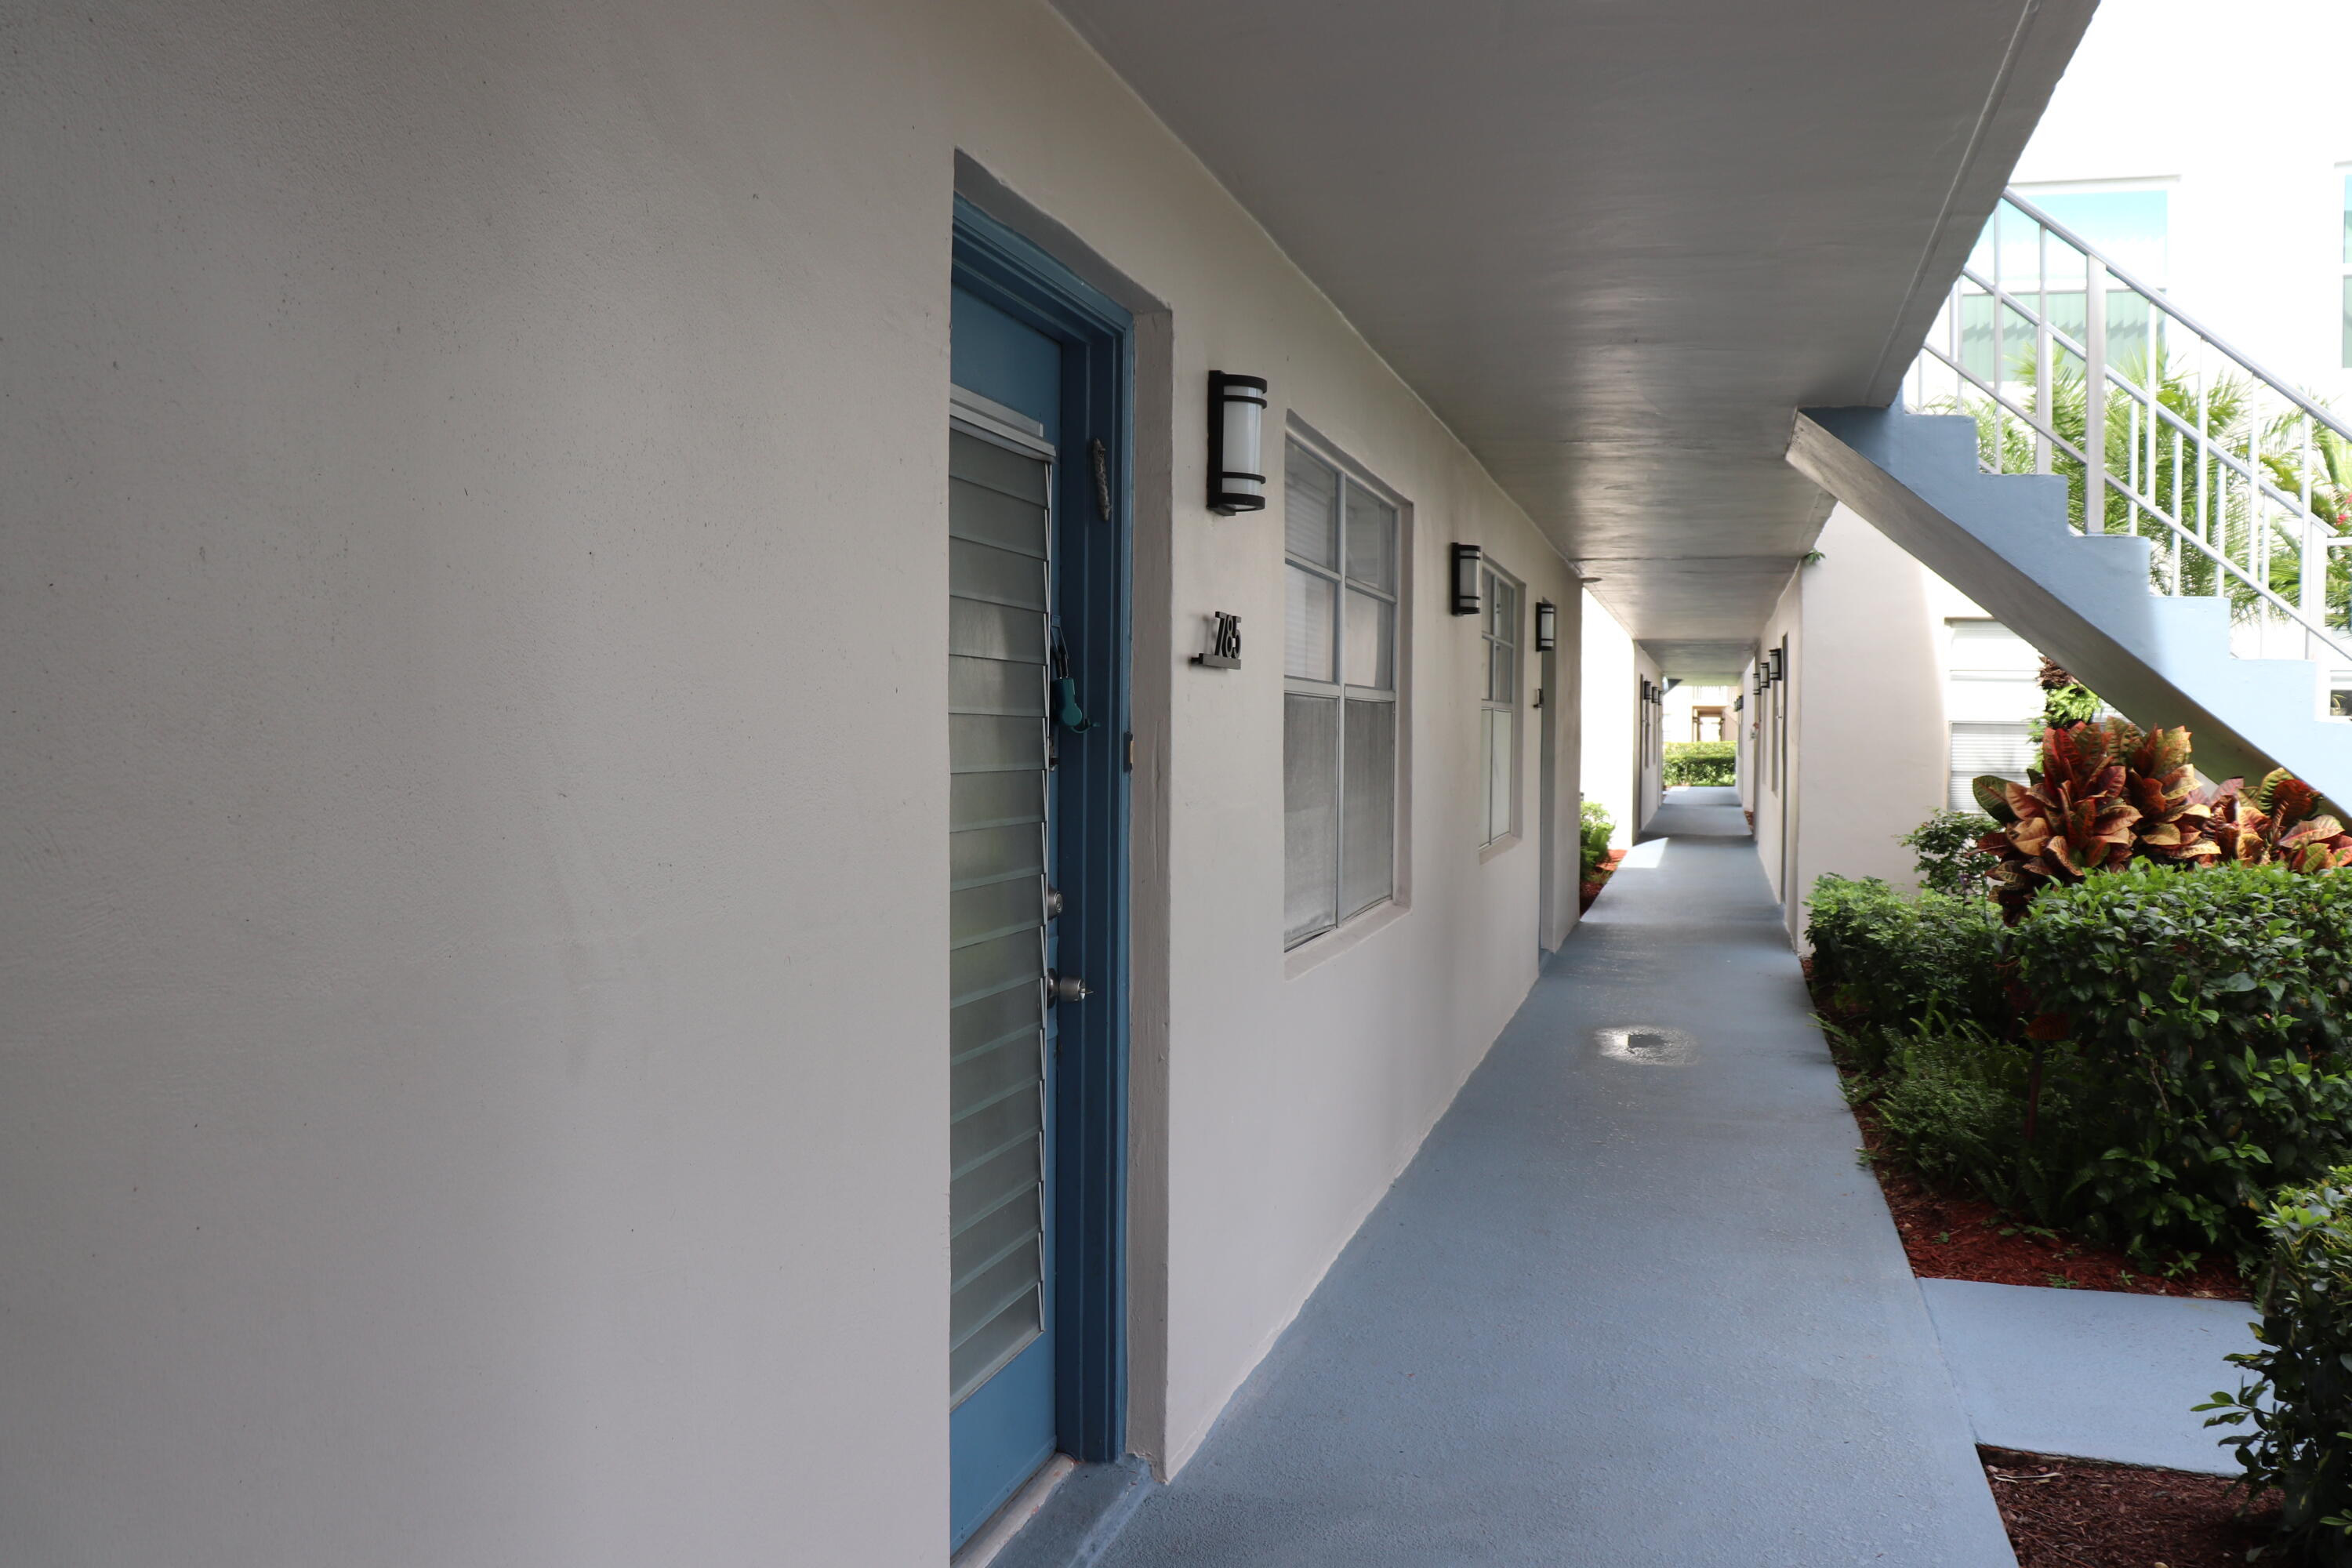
(1062, 988)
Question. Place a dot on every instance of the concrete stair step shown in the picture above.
(2085, 600)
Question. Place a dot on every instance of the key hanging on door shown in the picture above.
(1066, 712)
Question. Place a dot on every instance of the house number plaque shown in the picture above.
(1225, 650)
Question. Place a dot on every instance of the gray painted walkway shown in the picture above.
(2098, 1375)
(1633, 1303)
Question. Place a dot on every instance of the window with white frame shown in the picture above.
(1339, 695)
(2346, 357)
(1499, 732)
(2127, 222)
(1993, 691)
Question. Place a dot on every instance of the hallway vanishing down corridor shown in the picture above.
(1634, 1301)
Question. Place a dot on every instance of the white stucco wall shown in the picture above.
(1561, 719)
(1873, 757)
(1650, 767)
(1743, 735)
(1611, 688)
(2252, 155)
(1870, 737)
(473, 1014)
(1778, 767)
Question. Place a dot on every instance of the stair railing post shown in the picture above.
(2259, 545)
(1999, 376)
(2311, 596)
(2095, 392)
(2044, 395)
(2206, 467)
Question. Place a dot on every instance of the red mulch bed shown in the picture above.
(1950, 1237)
(2073, 1513)
(2070, 1513)
(1587, 891)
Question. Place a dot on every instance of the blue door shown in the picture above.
(1009, 699)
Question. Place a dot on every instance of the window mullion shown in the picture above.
(1339, 490)
(1340, 752)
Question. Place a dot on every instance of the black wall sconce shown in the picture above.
(1547, 626)
(1465, 578)
(1236, 445)
(1778, 675)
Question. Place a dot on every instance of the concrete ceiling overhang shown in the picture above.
(1616, 244)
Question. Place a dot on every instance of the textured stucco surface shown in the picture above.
(1610, 686)
(473, 772)
(1873, 758)
(1633, 1306)
(1777, 764)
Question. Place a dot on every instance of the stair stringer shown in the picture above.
(2083, 599)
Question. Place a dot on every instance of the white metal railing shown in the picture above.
(2070, 365)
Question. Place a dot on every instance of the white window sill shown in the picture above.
(1315, 951)
(1510, 841)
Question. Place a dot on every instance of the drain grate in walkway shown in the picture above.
(1646, 1043)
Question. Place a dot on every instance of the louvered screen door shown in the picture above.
(999, 756)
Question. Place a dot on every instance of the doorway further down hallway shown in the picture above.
(1634, 1302)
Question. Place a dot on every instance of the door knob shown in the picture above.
(1062, 988)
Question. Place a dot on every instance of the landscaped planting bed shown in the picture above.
(1954, 1236)
(2073, 1514)
(1598, 862)
(2106, 1047)
(1597, 878)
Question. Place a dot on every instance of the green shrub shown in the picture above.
(1897, 960)
(1593, 830)
(2073, 703)
(2110, 793)
(1702, 763)
(1950, 859)
(2065, 700)
(1951, 1106)
(2187, 1030)
(2300, 1403)
(2209, 1008)
(1948, 1107)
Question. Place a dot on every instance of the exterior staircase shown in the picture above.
(2168, 522)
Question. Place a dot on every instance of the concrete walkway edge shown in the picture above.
(1634, 1302)
(2093, 1375)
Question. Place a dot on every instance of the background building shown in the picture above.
(2234, 199)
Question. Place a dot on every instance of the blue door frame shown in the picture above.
(1089, 1084)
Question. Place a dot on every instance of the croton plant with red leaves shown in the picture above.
(2111, 793)
(2278, 822)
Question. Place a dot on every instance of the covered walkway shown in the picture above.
(1634, 1302)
